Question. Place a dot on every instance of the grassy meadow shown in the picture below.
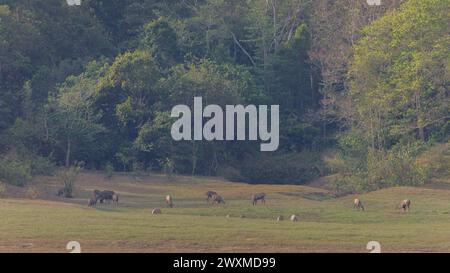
(326, 224)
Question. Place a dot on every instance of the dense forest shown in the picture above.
(363, 90)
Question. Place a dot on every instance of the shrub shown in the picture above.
(334, 162)
(168, 167)
(15, 172)
(2, 190)
(18, 168)
(402, 168)
(230, 173)
(109, 171)
(395, 167)
(139, 169)
(295, 168)
(437, 158)
(343, 185)
(68, 177)
(32, 193)
(41, 166)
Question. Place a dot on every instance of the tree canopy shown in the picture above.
(96, 83)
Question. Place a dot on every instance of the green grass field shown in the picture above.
(326, 224)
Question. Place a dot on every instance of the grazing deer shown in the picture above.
(115, 199)
(92, 202)
(210, 195)
(218, 199)
(107, 195)
(358, 204)
(259, 196)
(156, 211)
(169, 201)
(405, 204)
(104, 195)
(97, 194)
(60, 192)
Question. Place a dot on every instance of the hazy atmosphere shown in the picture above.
(224, 125)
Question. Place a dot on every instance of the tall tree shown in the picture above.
(335, 28)
(73, 124)
(399, 78)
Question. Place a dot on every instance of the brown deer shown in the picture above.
(92, 202)
(169, 201)
(358, 204)
(115, 199)
(405, 204)
(259, 196)
(218, 199)
(210, 195)
(156, 211)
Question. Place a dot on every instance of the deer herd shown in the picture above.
(107, 196)
(404, 205)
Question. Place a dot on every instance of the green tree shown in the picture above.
(73, 124)
(128, 97)
(20, 49)
(219, 84)
(399, 78)
(129, 89)
(161, 40)
(398, 94)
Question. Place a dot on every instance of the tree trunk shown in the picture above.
(421, 133)
(419, 121)
(68, 153)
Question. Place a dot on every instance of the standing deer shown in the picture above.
(115, 199)
(92, 202)
(259, 196)
(60, 192)
(169, 201)
(103, 195)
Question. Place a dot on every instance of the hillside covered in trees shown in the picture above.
(363, 90)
